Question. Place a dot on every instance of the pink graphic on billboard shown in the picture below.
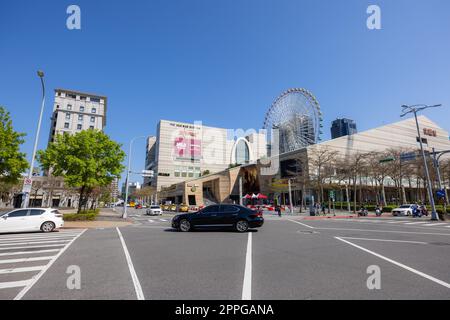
(187, 147)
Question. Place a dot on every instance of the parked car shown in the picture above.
(165, 207)
(404, 210)
(173, 207)
(154, 210)
(138, 206)
(31, 219)
(183, 208)
(219, 216)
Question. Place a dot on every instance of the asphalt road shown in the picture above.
(288, 258)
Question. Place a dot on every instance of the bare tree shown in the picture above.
(322, 162)
(355, 166)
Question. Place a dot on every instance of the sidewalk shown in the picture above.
(107, 218)
(338, 214)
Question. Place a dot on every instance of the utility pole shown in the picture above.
(290, 196)
(241, 202)
(124, 214)
(26, 200)
(414, 109)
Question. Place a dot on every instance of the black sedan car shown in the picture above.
(219, 216)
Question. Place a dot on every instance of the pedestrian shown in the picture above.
(278, 209)
(323, 208)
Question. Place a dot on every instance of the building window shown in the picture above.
(80, 117)
(197, 172)
(69, 107)
(95, 99)
(81, 108)
(424, 141)
(66, 125)
(91, 127)
(242, 152)
(177, 172)
(92, 119)
(79, 126)
(94, 110)
(82, 98)
(57, 106)
(73, 96)
(190, 172)
(67, 116)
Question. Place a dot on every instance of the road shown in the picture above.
(288, 258)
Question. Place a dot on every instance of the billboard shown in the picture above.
(187, 146)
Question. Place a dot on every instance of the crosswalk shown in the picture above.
(25, 257)
(426, 223)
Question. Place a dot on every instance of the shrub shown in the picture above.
(85, 215)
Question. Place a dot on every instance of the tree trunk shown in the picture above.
(80, 202)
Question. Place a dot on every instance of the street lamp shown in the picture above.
(124, 215)
(26, 201)
(414, 109)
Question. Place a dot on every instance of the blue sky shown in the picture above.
(224, 61)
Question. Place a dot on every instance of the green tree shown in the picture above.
(12, 161)
(86, 160)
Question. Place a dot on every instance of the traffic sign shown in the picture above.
(388, 159)
(27, 183)
(408, 156)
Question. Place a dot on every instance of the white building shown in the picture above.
(74, 111)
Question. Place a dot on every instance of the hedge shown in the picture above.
(85, 215)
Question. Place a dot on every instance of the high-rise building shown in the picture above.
(74, 111)
(343, 127)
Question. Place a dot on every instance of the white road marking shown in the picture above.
(27, 252)
(163, 220)
(415, 223)
(34, 239)
(424, 275)
(25, 260)
(385, 240)
(247, 285)
(17, 270)
(40, 274)
(387, 231)
(305, 225)
(137, 284)
(14, 284)
(434, 224)
(151, 221)
(395, 222)
(33, 247)
(38, 234)
(31, 242)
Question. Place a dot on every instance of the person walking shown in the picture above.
(278, 209)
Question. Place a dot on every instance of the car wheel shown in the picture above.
(47, 226)
(241, 226)
(408, 213)
(185, 225)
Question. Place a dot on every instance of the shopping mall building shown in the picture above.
(194, 164)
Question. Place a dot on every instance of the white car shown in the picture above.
(404, 210)
(154, 211)
(31, 219)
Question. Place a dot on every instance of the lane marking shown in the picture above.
(434, 224)
(37, 235)
(33, 247)
(424, 275)
(387, 231)
(14, 284)
(34, 239)
(17, 270)
(384, 240)
(25, 260)
(134, 277)
(40, 274)
(247, 285)
(395, 222)
(415, 223)
(31, 242)
(163, 220)
(151, 221)
(305, 225)
(27, 252)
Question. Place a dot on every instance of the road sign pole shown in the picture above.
(434, 215)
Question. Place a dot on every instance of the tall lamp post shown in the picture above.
(414, 109)
(26, 201)
(124, 215)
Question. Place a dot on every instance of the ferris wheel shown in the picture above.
(297, 116)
